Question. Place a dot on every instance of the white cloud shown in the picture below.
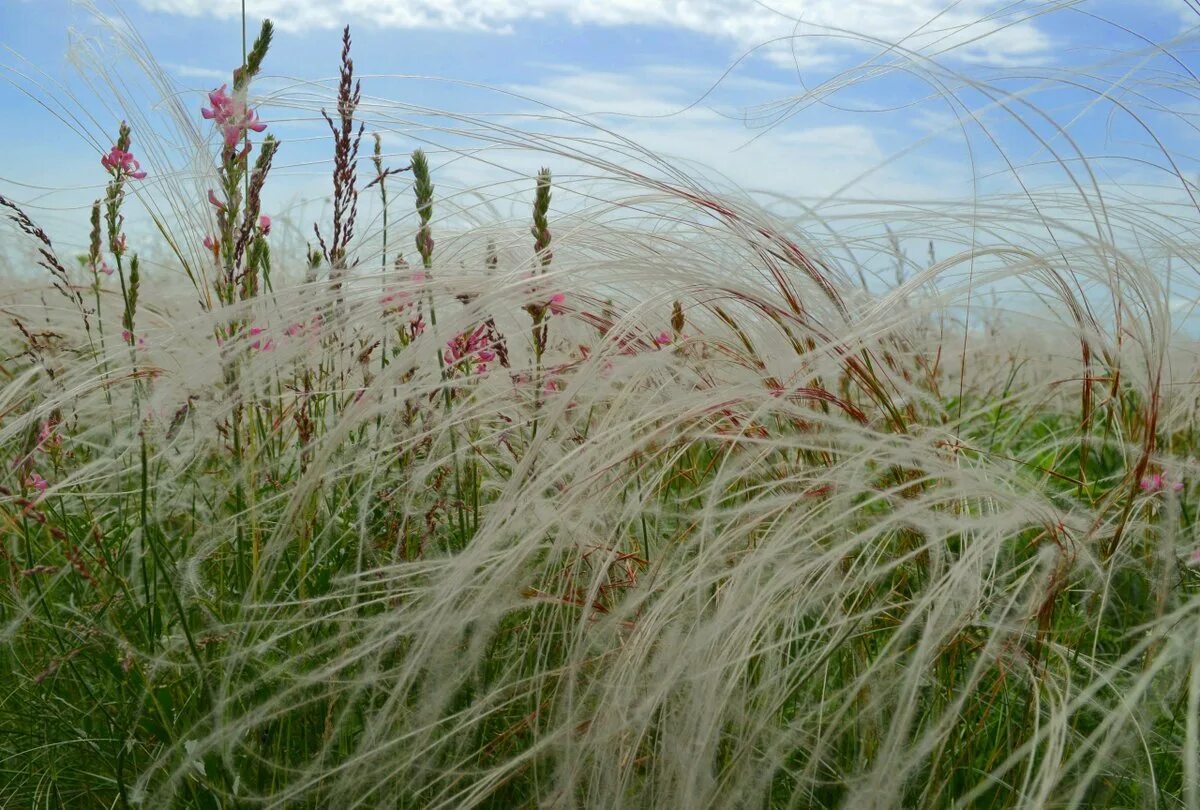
(978, 29)
(190, 72)
(654, 112)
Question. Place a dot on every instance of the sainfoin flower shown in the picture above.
(48, 438)
(120, 163)
(212, 198)
(37, 482)
(127, 336)
(232, 115)
(259, 344)
(105, 269)
(264, 224)
(470, 348)
(1159, 482)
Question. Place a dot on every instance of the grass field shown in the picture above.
(648, 502)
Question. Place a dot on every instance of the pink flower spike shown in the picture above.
(119, 162)
(212, 198)
(264, 224)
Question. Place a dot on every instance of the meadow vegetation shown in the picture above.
(644, 501)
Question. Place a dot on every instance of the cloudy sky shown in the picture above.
(793, 97)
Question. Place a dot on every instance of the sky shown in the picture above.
(804, 99)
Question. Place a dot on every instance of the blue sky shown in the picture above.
(648, 60)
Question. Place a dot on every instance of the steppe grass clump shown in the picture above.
(579, 512)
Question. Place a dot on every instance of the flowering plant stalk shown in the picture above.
(240, 249)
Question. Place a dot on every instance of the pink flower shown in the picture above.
(37, 482)
(294, 329)
(231, 114)
(264, 224)
(119, 246)
(105, 269)
(662, 339)
(127, 336)
(222, 105)
(47, 438)
(259, 344)
(1158, 482)
(557, 303)
(120, 163)
(212, 198)
(213, 246)
(469, 350)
